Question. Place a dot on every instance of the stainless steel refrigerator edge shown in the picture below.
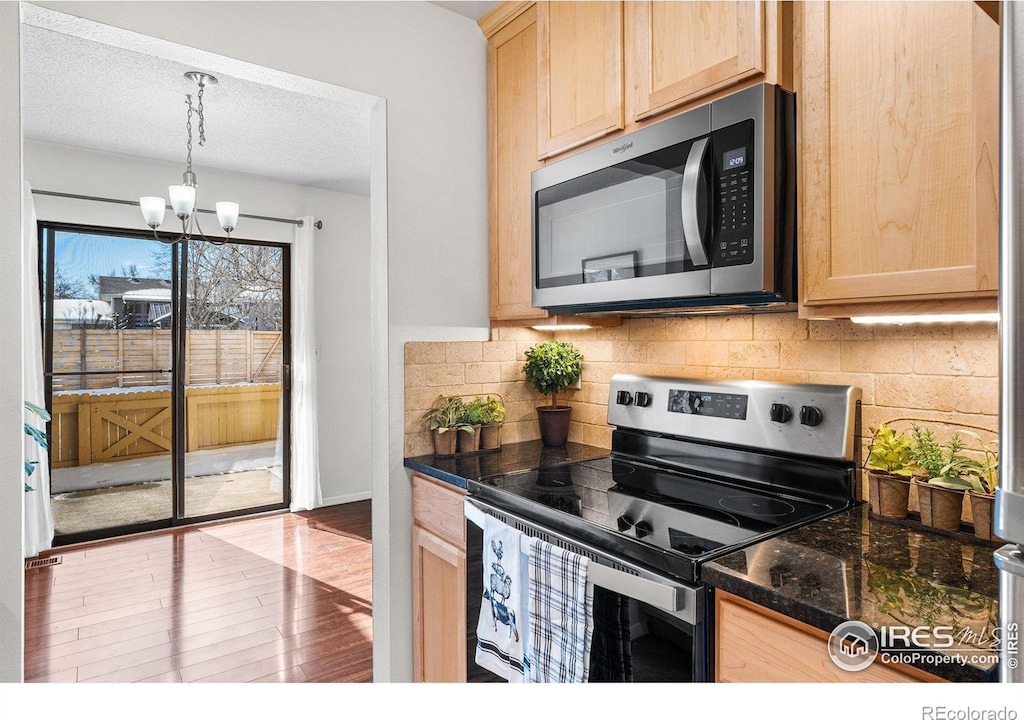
(1009, 503)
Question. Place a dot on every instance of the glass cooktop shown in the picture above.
(679, 514)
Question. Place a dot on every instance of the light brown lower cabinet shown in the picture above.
(439, 582)
(755, 644)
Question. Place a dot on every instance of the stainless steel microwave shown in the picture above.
(694, 213)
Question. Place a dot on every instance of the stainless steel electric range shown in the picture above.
(698, 469)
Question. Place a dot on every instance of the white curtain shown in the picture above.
(305, 468)
(38, 515)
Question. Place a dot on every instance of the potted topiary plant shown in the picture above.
(444, 420)
(942, 485)
(472, 419)
(889, 468)
(493, 417)
(552, 367)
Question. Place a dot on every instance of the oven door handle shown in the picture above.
(693, 233)
(644, 587)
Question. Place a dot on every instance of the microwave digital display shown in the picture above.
(733, 159)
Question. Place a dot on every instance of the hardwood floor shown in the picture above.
(278, 598)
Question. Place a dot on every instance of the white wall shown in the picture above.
(430, 67)
(12, 448)
(342, 252)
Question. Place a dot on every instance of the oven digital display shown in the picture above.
(693, 402)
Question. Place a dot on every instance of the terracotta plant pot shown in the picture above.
(940, 508)
(889, 494)
(444, 442)
(469, 441)
(981, 513)
(490, 436)
(554, 424)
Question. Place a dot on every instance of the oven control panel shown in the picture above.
(804, 419)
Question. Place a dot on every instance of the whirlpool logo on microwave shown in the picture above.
(622, 148)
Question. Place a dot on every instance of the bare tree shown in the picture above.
(66, 287)
(233, 287)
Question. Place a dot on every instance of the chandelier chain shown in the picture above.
(202, 130)
(188, 126)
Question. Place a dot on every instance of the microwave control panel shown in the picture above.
(734, 227)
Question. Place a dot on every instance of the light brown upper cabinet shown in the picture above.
(512, 147)
(682, 51)
(899, 150)
(579, 65)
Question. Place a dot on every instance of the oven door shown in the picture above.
(647, 627)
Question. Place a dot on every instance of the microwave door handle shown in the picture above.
(693, 234)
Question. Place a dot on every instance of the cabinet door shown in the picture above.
(439, 609)
(681, 51)
(899, 127)
(512, 139)
(580, 73)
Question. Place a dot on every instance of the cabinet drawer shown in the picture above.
(437, 507)
(755, 644)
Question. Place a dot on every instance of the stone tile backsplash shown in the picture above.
(939, 372)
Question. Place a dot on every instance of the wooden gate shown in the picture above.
(91, 426)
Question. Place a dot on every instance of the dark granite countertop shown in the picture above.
(852, 566)
(457, 469)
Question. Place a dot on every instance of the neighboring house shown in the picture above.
(146, 303)
(137, 302)
(73, 313)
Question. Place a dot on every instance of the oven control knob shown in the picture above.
(642, 399)
(811, 416)
(624, 397)
(643, 529)
(781, 413)
(625, 522)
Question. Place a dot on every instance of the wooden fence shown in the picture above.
(213, 357)
(123, 424)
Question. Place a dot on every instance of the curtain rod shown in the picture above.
(319, 224)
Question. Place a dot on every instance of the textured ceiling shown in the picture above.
(99, 96)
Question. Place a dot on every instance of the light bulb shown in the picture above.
(227, 215)
(153, 210)
(183, 199)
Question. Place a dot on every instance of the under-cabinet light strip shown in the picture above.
(909, 319)
(553, 328)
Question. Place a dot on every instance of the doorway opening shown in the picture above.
(167, 378)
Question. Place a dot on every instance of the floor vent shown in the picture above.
(44, 562)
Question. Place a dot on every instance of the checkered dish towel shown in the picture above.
(561, 614)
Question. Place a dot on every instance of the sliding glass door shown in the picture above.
(235, 361)
(165, 369)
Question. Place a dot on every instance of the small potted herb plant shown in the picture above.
(943, 481)
(553, 367)
(472, 420)
(889, 468)
(982, 492)
(444, 420)
(493, 417)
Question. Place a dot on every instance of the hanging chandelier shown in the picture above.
(183, 197)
